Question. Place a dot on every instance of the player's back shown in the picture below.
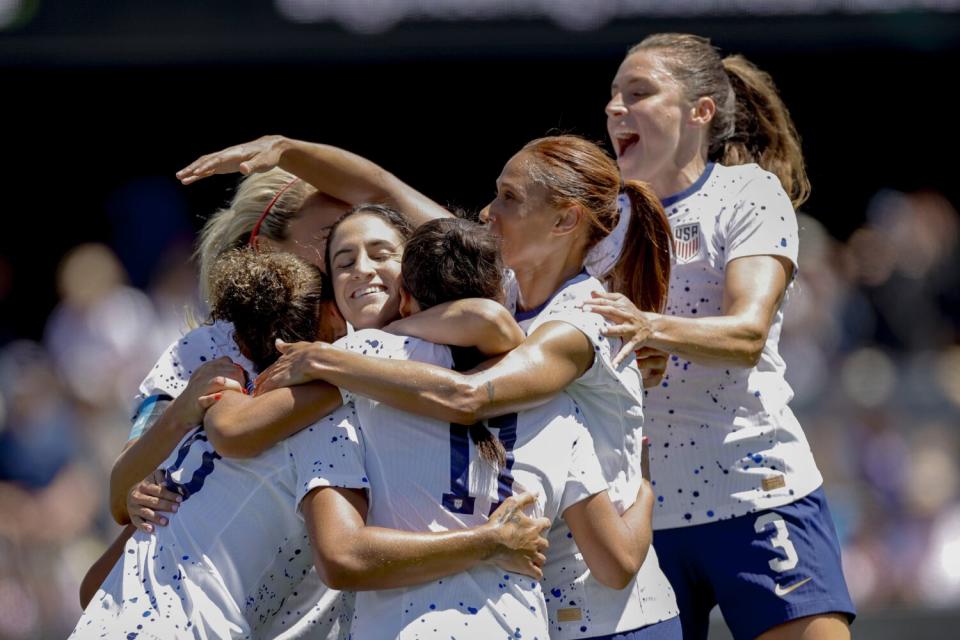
(426, 475)
(235, 551)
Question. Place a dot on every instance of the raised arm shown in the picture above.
(333, 171)
(240, 426)
(353, 556)
(474, 322)
(549, 359)
(613, 546)
(753, 289)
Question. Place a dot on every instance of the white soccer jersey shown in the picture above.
(311, 609)
(425, 475)
(724, 442)
(610, 401)
(236, 551)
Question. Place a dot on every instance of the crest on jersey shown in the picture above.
(686, 238)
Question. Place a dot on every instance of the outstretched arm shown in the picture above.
(353, 556)
(334, 171)
(549, 359)
(240, 426)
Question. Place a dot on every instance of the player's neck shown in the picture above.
(539, 282)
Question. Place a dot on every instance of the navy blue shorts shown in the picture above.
(763, 570)
(666, 630)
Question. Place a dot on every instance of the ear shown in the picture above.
(408, 306)
(702, 111)
(568, 219)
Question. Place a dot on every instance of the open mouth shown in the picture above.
(368, 291)
(625, 141)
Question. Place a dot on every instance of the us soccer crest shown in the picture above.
(686, 240)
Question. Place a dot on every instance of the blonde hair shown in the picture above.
(230, 227)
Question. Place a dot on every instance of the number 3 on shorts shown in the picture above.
(780, 539)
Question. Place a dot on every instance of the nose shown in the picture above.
(363, 266)
(615, 107)
(484, 216)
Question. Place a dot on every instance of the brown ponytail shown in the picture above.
(751, 123)
(642, 272)
(764, 131)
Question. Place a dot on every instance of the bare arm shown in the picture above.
(474, 322)
(333, 171)
(549, 359)
(613, 546)
(142, 456)
(352, 556)
(101, 568)
(754, 287)
(241, 426)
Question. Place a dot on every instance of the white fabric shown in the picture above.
(234, 561)
(719, 434)
(610, 400)
(411, 463)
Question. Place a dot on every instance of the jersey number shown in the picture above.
(459, 500)
(780, 539)
(187, 489)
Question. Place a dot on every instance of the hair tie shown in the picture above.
(266, 212)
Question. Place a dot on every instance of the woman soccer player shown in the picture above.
(556, 199)
(741, 519)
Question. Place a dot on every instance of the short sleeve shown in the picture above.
(585, 477)
(763, 222)
(328, 454)
(566, 308)
(148, 413)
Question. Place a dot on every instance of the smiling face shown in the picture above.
(365, 255)
(647, 118)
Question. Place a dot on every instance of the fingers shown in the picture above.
(607, 295)
(140, 523)
(542, 524)
(539, 559)
(260, 162)
(208, 401)
(625, 352)
(647, 352)
(525, 499)
(156, 489)
(611, 313)
(148, 516)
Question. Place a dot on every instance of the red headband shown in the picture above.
(266, 212)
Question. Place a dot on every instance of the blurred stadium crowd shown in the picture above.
(872, 344)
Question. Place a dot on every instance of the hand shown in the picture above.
(296, 365)
(256, 156)
(148, 498)
(205, 386)
(521, 537)
(630, 324)
(652, 364)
